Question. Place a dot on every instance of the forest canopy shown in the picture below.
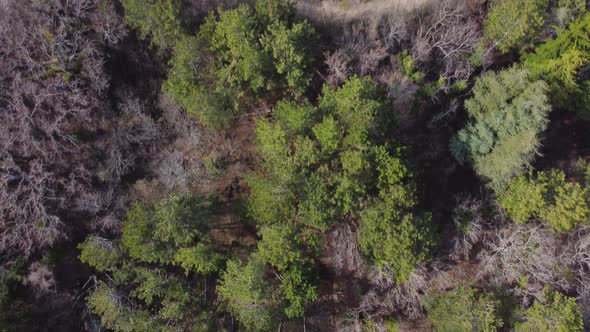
(294, 165)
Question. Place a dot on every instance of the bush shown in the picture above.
(547, 196)
(510, 23)
(248, 294)
(157, 19)
(193, 84)
(507, 112)
(556, 312)
(523, 198)
(462, 309)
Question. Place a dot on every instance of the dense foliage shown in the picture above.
(463, 309)
(507, 112)
(510, 23)
(277, 165)
(154, 240)
(559, 61)
(324, 164)
(557, 312)
(548, 196)
(157, 19)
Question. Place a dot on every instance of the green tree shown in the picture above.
(261, 48)
(292, 53)
(507, 112)
(141, 266)
(193, 84)
(462, 309)
(556, 312)
(548, 196)
(322, 164)
(248, 294)
(284, 250)
(509, 23)
(156, 19)
(558, 61)
(524, 197)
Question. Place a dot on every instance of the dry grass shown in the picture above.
(326, 11)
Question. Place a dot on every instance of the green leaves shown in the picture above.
(396, 240)
(463, 309)
(327, 133)
(523, 198)
(248, 294)
(558, 62)
(327, 163)
(157, 19)
(102, 254)
(261, 49)
(547, 196)
(291, 52)
(508, 110)
(193, 84)
(556, 312)
(154, 239)
(510, 22)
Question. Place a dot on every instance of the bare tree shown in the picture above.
(448, 34)
(469, 217)
(530, 251)
(342, 250)
(56, 123)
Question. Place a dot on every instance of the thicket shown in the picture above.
(511, 23)
(554, 312)
(463, 309)
(321, 218)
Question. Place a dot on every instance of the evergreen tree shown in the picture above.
(507, 112)
(559, 61)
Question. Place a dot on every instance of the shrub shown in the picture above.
(509, 23)
(507, 112)
(547, 196)
(157, 19)
(408, 67)
(556, 312)
(215, 166)
(569, 10)
(462, 309)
